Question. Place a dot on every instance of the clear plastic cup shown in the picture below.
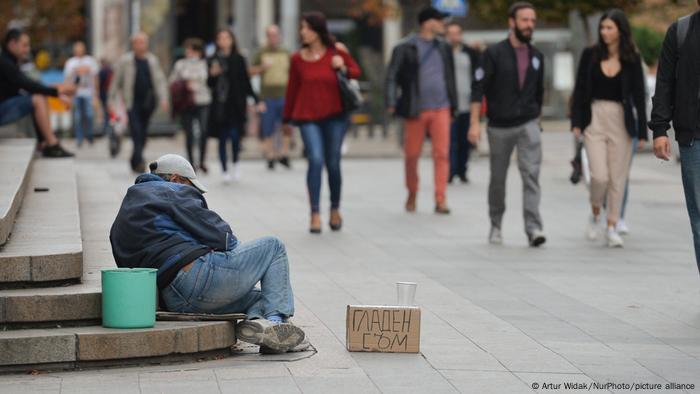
(406, 293)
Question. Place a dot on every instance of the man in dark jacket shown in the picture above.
(511, 76)
(164, 223)
(466, 59)
(21, 96)
(676, 100)
(420, 87)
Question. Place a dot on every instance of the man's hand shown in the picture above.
(662, 148)
(261, 107)
(164, 106)
(66, 100)
(391, 110)
(67, 89)
(474, 134)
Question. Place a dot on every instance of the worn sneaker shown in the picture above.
(55, 151)
(593, 228)
(614, 238)
(536, 238)
(495, 236)
(279, 337)
(622, 228)
(301, 347)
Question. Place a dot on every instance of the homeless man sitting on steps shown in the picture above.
(164, 223)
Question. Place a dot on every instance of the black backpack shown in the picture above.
(682, 31)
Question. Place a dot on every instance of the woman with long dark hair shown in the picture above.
(313, 102)
(608, 109)
(230, 88)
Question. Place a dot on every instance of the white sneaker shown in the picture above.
(614, 238)
(593, 229)
(622, 228)
(226, 178)
(495, 236)
(236, 170)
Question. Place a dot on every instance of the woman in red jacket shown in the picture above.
(314, 104)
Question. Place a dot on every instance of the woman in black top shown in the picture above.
(230, 89)
(608, 108)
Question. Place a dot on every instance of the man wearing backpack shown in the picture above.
(676, 100)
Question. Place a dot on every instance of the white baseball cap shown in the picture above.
(175, 164)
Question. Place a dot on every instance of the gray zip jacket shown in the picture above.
(122, 87)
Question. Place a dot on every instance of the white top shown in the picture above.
(195, 72)
(82, 71)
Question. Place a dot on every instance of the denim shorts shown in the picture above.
(15, 108)
(271, 119)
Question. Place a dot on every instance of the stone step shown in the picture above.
(69, 348)
(50, 307)
(46, 246)
(15, 161)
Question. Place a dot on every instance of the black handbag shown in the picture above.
(350, 94)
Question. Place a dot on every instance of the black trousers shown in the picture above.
(460, 148)
(200, 113)
(138, 126)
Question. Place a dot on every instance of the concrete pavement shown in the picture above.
(495, 319)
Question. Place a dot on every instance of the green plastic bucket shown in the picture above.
(129, 297)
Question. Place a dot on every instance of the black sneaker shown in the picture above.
(463, 178)
(270, 164)
(55, 151)
(285, 162)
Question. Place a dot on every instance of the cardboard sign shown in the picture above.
(391, 329)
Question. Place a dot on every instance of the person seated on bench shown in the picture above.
(14, 105)
(164, 222)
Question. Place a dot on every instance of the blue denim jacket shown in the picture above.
(166, 225)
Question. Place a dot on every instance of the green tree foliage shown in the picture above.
(549, 10)
(649, 43)
(44, 20)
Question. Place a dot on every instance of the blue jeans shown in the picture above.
(82, 119)
(323, 140)
(459, 145)
(224, 282)
(234, 134)
(690, 173)
(15, 108)
(272, 117)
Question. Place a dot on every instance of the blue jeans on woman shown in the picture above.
(323, 140)
(690, 173)
(234, 134)
(82, 119)
(224, 282)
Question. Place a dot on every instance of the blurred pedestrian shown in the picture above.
(420, 87)
(609, 110)
(82, 69)
(104, 78)
(511, 76)
(313, 102)
(230, 86)
(140, 83)
(192, 71)
(465, 59)
(272, 64)
(21, 96)
(676, 99)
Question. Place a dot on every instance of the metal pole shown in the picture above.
(289, 22)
